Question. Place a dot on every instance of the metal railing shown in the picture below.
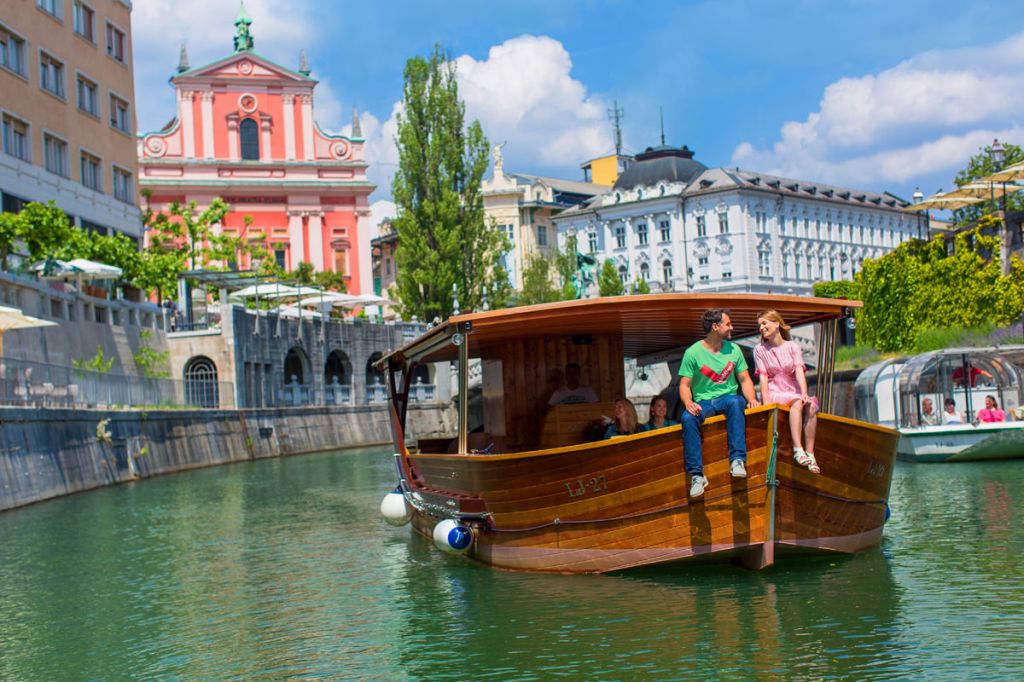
(23, 382)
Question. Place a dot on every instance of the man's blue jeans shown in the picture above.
(732, 406)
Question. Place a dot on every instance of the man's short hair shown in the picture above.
(949, 401)
(713, 316)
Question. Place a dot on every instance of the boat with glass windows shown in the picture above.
(523, 486)
(942, 403)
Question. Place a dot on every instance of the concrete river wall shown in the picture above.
(46, 453)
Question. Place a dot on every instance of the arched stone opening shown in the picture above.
(201, 388)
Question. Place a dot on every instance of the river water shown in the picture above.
(282, 569)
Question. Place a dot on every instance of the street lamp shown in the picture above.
(918, 196)
(997, 154)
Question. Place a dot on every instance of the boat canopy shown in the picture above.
(875, 392)
(647, 324)
(967, 375)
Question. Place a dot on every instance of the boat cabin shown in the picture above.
(519, 355)
(891, 392)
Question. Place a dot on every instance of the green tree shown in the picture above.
(537, 286)
(10, 230)
(46, 231)
(445, 243)
(919, 286)
(186, 221)
(979, 166)
(608, 282)
(153, 363)
(641, 287)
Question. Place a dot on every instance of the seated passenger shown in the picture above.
(572, 392)
(625, 421)
(929, 417)
(991, 412)
(950, 415)
(658, 418)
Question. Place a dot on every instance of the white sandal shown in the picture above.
(806, 459)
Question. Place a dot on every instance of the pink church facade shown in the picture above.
(244, 131)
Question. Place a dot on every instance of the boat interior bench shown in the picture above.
(567, 424)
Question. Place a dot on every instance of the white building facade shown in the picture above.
(684, 227)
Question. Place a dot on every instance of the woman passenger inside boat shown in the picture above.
(658, 418)
(949, 414)
(991, 412)
(779, 366)
(625, 421)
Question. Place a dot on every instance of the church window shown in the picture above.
(250, 134)
(279, 256)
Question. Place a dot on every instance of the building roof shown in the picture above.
(714, 179)
(660, 164)
(559, 185)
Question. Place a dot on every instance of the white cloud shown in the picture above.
(522, 94)
(920, 119)
(280, 28)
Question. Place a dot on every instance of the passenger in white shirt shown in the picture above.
(572, 392)
(950, 415)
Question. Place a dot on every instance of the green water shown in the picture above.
(281, 569)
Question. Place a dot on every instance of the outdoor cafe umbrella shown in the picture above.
(260, 290)
(1011, 174)
(12, 318)
(334, 298)
(982, 190)
(942, 202)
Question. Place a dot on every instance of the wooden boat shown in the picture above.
(891, 393)
(551, 501)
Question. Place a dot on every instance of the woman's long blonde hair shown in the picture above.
(777, 319)
(631, 419)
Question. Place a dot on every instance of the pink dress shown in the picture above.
(779, 364)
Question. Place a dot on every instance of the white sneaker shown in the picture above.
(738, 469)
(697, 485)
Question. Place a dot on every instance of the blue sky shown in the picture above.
(873, 95)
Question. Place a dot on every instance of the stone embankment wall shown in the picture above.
(46, 453)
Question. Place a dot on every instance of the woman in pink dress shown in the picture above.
(991, 412)
(779, 365)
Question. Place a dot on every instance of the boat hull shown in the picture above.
(967, 443)
(622, 503)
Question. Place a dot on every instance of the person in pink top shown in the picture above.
(779, 365)
(991, 411)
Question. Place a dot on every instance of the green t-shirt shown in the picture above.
(713, 374)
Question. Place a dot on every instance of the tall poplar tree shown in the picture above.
(443, 238)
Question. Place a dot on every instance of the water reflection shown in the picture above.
(812, 617)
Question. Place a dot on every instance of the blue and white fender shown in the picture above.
(452, 537)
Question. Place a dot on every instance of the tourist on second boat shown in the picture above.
(658, 415)
(707, 386)
(929, 417)
(779, 366)
(951, 416)
(991, 412)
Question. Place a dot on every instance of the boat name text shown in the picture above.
(581, 487)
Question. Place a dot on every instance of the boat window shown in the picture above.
(966, 376)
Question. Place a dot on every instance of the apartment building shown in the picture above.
(67, 102)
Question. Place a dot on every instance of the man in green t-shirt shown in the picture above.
(707, 386)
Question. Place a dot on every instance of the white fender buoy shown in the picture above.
(453, 538)
(395, 510)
